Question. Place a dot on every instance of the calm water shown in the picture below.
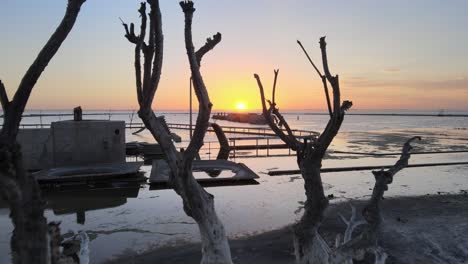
(138, 219)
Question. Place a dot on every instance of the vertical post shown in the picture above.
(257, 147)
(131, 118)
(268, 147)
(77, 113)
(40, 117)
(190, 96)
(209, 150)
(234, 143)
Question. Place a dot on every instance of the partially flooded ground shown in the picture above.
(136, 220)
(423, 229)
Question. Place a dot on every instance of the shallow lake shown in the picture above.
(136, 219)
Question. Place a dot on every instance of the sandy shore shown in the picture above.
(424, 229)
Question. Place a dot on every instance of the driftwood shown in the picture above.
(17, 187)
(310, 152)
(198, 203)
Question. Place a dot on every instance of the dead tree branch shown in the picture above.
(367, 240)
(322, 77)
(274, 87)
(224, 149)
(146, 87)
(201, 92)
(339, 108)
(139, 42)
(223, 142)
(17, 105)
(289, 139)
(209, 45)
(382, 179)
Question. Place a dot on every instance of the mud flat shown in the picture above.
(422, 229)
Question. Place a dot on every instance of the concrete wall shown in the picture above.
(88, 142)
(70, 143)
(36, 146)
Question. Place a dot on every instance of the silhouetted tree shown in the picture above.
(198, 203)
(18, 188)
(309, 153)
(309, 246)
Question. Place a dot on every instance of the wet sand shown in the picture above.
(423, 229)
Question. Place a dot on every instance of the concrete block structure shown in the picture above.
(36, 146)
(74, 143)
(88, 142)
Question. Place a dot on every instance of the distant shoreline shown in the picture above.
(387, 114)
(120, 112)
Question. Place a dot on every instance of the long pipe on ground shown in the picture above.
(363, 168)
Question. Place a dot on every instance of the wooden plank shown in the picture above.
(209, 182)
(99, 172)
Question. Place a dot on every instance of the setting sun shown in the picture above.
(241, 106)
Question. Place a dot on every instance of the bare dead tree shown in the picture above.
(198, 203)
(309, 246)
(309, 154)
(367, 241)
(17, 187)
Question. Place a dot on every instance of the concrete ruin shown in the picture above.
(73, 143)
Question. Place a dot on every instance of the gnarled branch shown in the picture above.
(18, 104)
(338, 111)
(139, 42)
(204, 109)
(289, 139)
(224, 149)
(158, 47)
(367, 240)
(322, 77)
(209, 45)
(151, 77)
(274, 87)
(382, 179)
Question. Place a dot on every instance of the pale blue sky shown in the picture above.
(389, 54)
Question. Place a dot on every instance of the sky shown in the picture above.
(396, 54)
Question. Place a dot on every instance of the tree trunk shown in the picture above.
(28, 241)
(308, 246)
(199, 205)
